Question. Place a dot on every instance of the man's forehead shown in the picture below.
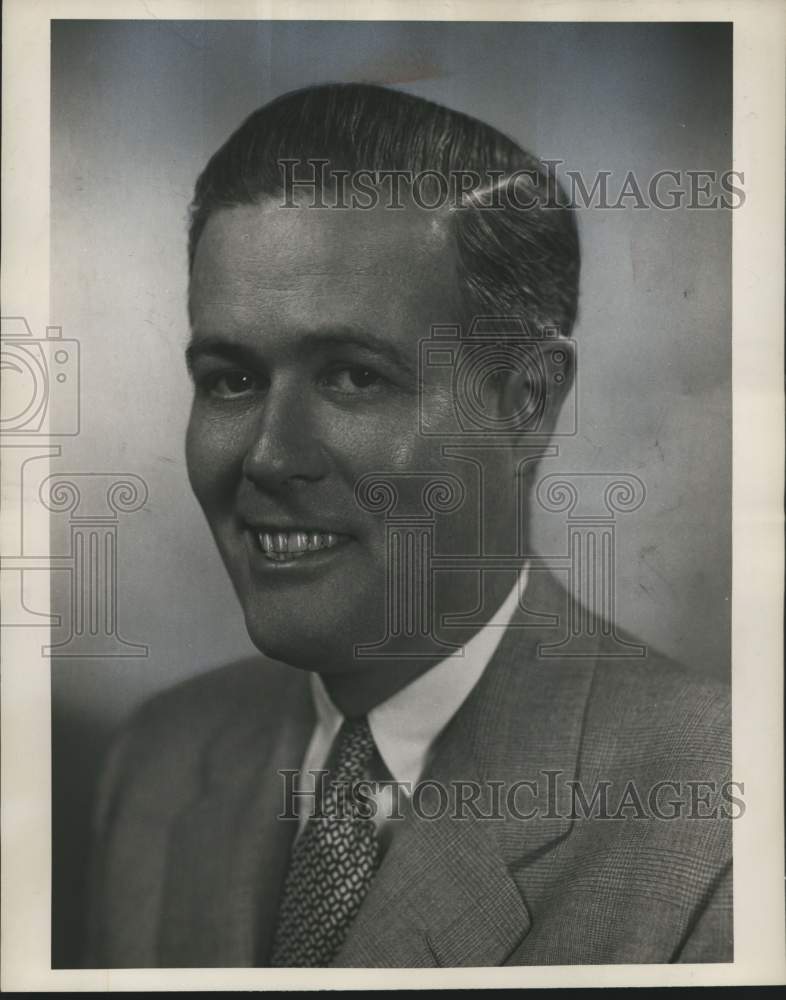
(380, 268)
(345, 263)
(269, 236)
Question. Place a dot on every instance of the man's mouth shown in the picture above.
(282, 546)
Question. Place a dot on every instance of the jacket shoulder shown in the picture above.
(251, 686)
(164, 742)
(657, 712)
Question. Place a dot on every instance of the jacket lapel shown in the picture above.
(220, 903)
(451, 891)
(443, 895)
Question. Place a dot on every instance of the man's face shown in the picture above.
(305, 340)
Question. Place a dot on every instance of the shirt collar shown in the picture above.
(405, 726)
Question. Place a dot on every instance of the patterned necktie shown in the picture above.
(332, 863)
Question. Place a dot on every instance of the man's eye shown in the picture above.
(354, 378)
(231, 384)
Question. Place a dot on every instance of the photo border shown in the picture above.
(758, 448)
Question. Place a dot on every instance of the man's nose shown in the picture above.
(284, 448)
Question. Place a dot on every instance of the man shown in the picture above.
(486, 795)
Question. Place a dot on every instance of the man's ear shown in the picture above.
(535, 393)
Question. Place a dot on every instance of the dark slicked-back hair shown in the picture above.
(513, 261)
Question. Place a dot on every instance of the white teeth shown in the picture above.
(284, 546)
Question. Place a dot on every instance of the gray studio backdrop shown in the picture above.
(138, 107)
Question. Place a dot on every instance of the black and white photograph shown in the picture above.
(379, 533)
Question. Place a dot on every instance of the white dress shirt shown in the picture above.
(406, 725)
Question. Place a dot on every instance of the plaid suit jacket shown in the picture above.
(189, 855)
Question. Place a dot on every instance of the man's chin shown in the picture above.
(323, 652)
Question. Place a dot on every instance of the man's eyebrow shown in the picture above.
(335, 337)
(219, 347)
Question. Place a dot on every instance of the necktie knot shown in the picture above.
(354, 748)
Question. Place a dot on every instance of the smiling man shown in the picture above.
(305, 363)
(447, 791)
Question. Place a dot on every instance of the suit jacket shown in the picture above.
(189, 854)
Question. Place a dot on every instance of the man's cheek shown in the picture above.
(212, 458)
(198, 453)
(402, 447)
(201, 474)
(196, 475)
